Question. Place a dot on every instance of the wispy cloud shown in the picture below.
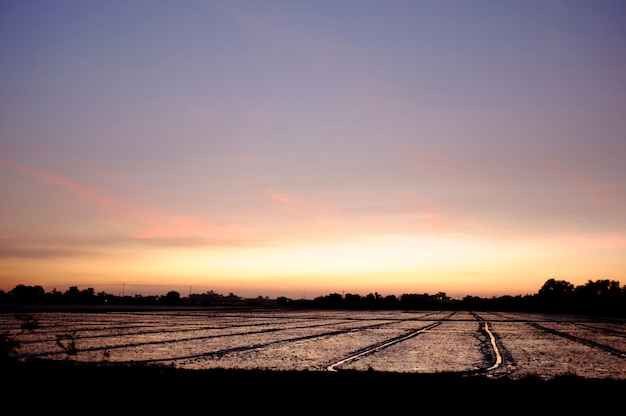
(59, 181)
(141, 223)
(283, 198)
(301, 206)
(603, 241)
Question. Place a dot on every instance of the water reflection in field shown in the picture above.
(397, 341)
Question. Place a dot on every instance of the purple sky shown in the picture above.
(300, 148)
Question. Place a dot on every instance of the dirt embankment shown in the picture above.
(48, 384)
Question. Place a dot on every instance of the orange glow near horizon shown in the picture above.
(395, 264)
(175, 251)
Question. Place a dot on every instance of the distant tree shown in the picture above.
(352, 301)
(283, 301)
(472, 302)
(556, 296)
(27, 294)
(331, 301)
(600, 296)
(413, 301)
(71, 295)
(372, 301)
(54, 297)
(600, 288)
(389, 302)
(172, 297)
(556, 288)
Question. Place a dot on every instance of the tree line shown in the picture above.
(599, 297)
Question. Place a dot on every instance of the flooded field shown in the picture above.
(512, 345)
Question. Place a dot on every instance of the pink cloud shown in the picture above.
(301, 207)
(283, 198)
(165, 226)
(56, 180)
(141, 223)
(606, 240)
(616, 240)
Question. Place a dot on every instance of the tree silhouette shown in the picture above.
(172, 297)
(556, 295)
(600, 297)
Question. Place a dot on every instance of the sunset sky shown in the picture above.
(302, 148)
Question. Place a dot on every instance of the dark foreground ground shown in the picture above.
(73, 388)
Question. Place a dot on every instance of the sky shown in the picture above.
(303, 148)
